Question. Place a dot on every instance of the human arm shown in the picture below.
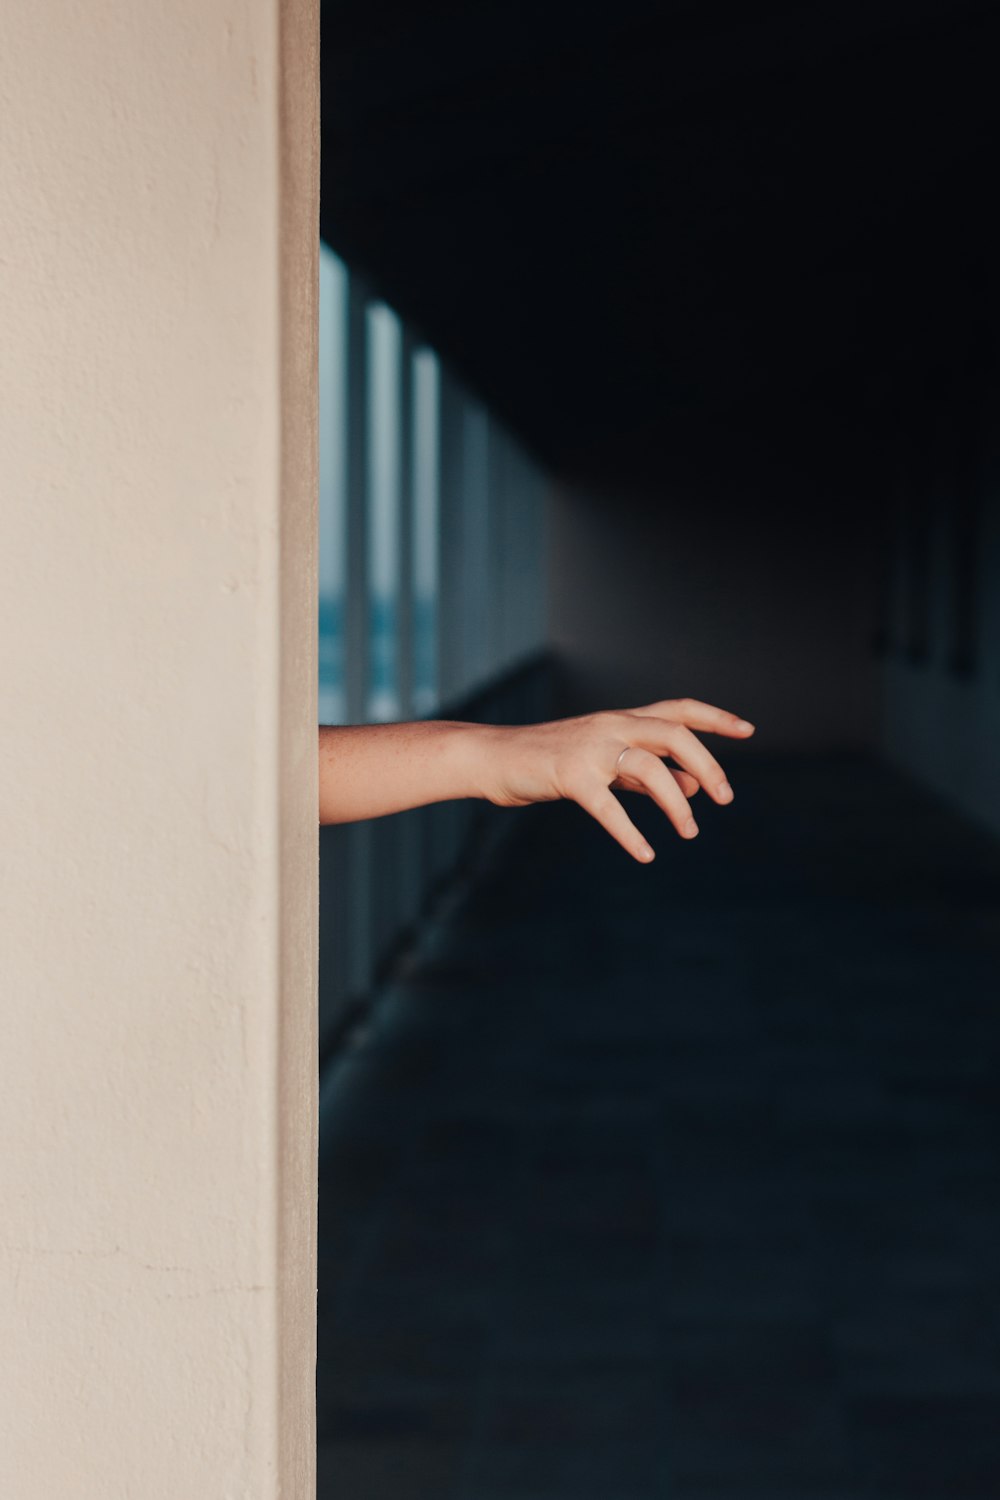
(369, 770)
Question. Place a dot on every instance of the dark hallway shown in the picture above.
(678, 1181)
(681, 1181)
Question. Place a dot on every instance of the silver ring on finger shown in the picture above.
(619, 761)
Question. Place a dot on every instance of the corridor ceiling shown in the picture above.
(608, 214)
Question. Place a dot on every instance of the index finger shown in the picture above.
(697, 715)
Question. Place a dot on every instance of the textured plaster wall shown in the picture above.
(157, 711)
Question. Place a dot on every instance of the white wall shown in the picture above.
(158, 231)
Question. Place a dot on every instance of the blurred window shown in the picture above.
(426, 451)
(477, 574)
(333, 291)
(383, 472)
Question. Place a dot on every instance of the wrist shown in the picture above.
(480, 753)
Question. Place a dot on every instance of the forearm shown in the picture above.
(369, 770)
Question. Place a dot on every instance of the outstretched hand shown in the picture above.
(586, 758)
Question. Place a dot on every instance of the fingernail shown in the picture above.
(744, 725)
(725, 792)
(690, 828)
(645, 852)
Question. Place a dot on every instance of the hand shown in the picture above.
(578, 759)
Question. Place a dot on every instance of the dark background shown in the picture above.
(730, 271)
(610, 215)
(681, 1181)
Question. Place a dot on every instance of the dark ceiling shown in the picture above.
(605, 215)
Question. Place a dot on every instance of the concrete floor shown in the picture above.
(682, 1181)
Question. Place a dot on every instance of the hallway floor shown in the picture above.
(681, 1181)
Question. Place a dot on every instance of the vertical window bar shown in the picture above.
(426, 451)
(405, 609)
(451, 539)
(333, 462)
(384, 341)
(475, 561)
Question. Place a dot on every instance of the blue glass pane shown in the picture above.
(333, 289)
(382, 438)
(476, 571)
(426, 497)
